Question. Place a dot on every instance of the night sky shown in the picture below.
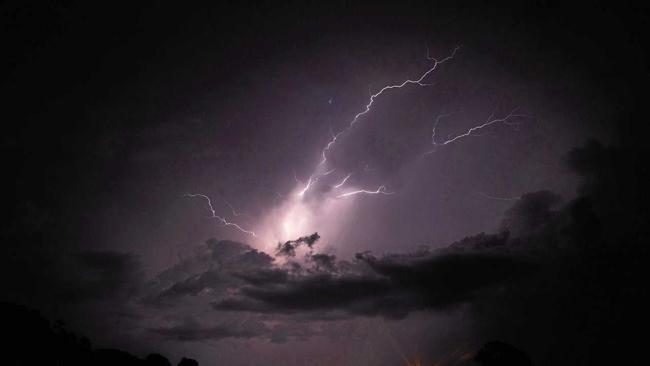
(329, 183)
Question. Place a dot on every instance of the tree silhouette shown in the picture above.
(33, 340)
(499, 353)
(188, 362)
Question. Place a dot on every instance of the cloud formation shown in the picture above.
(288, 248)
(550, 269)
(191, 330)
(391, 286)
(545, 253)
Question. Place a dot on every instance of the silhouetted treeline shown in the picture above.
(30, 339)
(497, 353)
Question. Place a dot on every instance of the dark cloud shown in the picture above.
(104, 274)
(192, 331)
(265, 276)
(75, 277)
(391, 286)
(220, 264)
(288, 248)
(215, 253)
(614, 180)
(531, 212)
(194, 284)
(584, 303)
(322, 261)
(307, 293)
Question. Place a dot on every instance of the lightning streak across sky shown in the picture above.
(341, 183)
(223, 220)
(371, 101)
(379, 190)
(313, 179)
(470, 132)
(307, 186)
(419, 82)
(295, 213)
(498, 198)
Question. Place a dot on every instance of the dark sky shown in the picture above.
(116, 117)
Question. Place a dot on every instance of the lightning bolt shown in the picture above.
(470, 132)
(379, 190)
(312, 179)
(307, 186)
(223, 220)
(341, 183)
(373, 97)
(319, 170)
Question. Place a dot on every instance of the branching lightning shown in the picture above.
(373, 97)
(223, 220)
(313, 179)
(498, 198)
(341, 183)
(380, 190)
(470, 132)
(307, 186)
(295, 214)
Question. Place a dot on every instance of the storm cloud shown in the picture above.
(390, 286)
(288, 248)
(544, 249)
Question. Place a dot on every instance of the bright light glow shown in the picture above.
(325, 211)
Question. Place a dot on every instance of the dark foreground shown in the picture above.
(33, 340)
